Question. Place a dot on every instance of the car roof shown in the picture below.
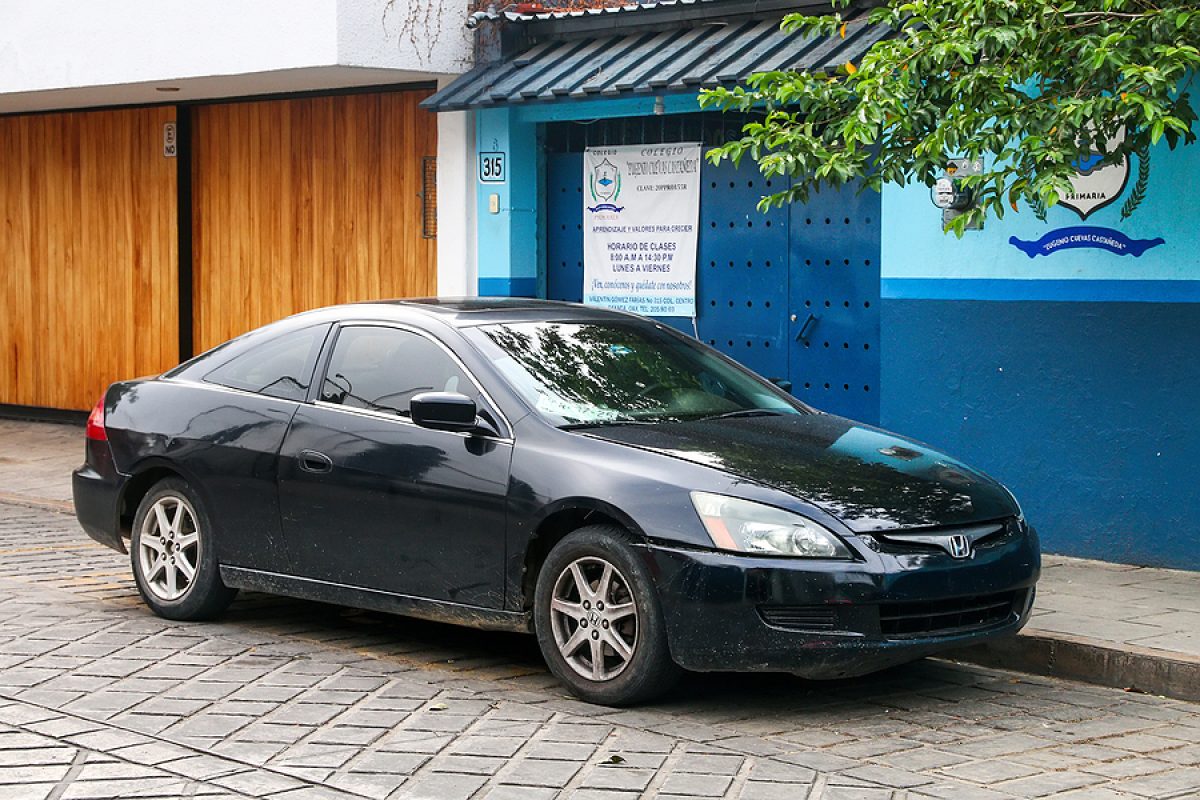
(463, 312)
(456, 312)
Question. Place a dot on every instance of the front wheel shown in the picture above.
(173, 554)
(598, 620)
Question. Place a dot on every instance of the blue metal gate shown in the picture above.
(834, 302)
(793, 293)
(742, 270)
(564, 227)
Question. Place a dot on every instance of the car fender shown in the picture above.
(586, 504)
(148, 464)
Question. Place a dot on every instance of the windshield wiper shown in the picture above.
(743, 412)
(600, 423)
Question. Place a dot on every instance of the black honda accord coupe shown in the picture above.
(637, 500)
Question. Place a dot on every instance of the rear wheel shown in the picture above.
(598, 620)
(174, 561)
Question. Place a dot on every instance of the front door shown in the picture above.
(369, 499)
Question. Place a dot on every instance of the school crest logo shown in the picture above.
(605, 186)
(1095, 186)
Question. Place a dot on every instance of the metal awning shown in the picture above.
(684, 59)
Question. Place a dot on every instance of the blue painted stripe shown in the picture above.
(508, 287)
(1001, 289)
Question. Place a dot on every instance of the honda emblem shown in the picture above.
(959, 545)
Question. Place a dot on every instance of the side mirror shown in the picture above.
(444, 411)
(782, 383)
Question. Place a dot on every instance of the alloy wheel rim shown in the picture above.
(169, 547)
(594, 618)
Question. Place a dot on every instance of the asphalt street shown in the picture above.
(289, 699)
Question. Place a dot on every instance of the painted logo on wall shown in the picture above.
(1094, 187)
(1085, 236)
(605, 185)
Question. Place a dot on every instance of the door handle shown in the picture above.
(807, 327)
(312, 461)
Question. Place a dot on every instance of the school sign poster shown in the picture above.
(641, 208)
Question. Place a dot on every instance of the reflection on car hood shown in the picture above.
(868, 478)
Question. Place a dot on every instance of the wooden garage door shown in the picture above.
(306, 202)
(88, 264)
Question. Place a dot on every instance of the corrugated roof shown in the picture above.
(551, 13)
(684, 59)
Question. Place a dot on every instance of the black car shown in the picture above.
(638, 500)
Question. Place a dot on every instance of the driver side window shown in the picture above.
(382, 369)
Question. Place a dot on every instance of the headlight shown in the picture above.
(748, 527)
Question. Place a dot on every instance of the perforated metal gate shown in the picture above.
(564, 227)
(793, 293)
(742, 271)
(834, 302)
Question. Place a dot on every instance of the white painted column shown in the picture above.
(457, 270)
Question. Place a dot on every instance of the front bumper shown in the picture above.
(835, 619)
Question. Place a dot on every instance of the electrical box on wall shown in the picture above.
(951, 195)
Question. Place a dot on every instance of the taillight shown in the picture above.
(95, 423)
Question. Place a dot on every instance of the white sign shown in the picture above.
(170, 144)
(491, 167)
(641, 208)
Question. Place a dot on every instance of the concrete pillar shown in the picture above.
(456, 243)
(507, 211)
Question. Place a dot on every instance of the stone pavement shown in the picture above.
(290, 699)
(36, 459)
(1152, 608)
(1112, 624)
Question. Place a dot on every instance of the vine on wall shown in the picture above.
(419, 24)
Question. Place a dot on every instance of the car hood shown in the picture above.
(868, 478)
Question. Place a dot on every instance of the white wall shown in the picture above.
(56, 44)
(414, 34)
(456, 241)
(75, 53)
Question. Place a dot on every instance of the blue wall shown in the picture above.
(1089, 412)
(507, 235)
(1073, 377)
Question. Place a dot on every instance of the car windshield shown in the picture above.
(594, 373)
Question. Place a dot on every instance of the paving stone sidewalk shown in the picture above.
(1113, 624)
(36, 459)
(289, 699)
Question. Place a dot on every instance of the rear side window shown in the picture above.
(382, 369)
(281, 367)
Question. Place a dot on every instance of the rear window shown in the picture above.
(281, 367)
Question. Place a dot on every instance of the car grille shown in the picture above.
(800, 618)
(894, 542)
(957, 615)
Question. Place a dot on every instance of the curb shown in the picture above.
(1061, 655)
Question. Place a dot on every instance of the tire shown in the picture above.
(628, 635)
(172, 533)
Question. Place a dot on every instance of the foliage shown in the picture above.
(1028, 86)
(1139, 186)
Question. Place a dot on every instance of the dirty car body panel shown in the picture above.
(312, 497)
